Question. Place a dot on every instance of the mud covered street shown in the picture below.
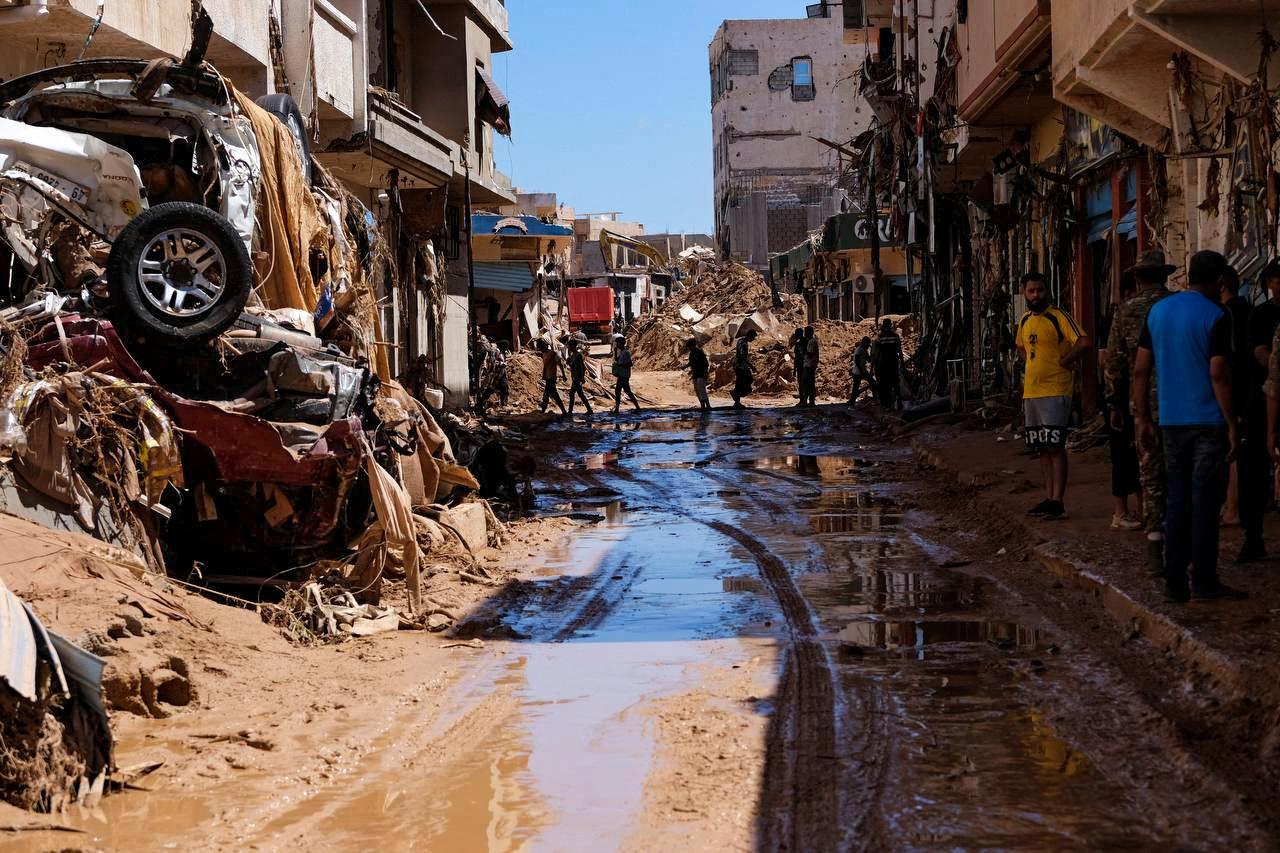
(779, 636)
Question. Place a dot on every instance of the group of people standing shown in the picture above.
(879, 364)
(1191, 382)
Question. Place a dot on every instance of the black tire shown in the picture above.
(214, 312)
(285, 108)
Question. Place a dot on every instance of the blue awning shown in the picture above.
(513, 278)
(516, 226)
(1128, 223)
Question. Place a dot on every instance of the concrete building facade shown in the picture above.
(777, 87)
(399, 102)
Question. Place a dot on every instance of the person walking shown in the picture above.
(809, 392)
(1050, 344)
(550, 368)
(887, 357)
(493, 377)
(1150, 275)
(577, 376)
(743, 375)
(861, 371)
(1187, 342)
(699, 368)
(1256, 479)
(622, 373)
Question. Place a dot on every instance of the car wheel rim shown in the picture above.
(182, 273)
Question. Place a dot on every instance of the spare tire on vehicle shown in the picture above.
(178, 272)
(285, 108)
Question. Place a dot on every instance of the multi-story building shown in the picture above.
(399, 103)
(778, 87)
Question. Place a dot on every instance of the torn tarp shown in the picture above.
(53, 726)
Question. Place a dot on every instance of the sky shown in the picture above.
(611, 103)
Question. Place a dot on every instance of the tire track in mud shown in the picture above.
(802, 806)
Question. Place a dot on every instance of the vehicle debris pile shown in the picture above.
(722, 303)
(191, 368)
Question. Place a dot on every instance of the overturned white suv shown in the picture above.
(134, 184)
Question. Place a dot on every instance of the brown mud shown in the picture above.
(762, 630)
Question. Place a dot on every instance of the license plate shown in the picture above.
(73, 191)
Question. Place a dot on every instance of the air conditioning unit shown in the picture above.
(862, 284)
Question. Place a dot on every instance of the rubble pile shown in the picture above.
(710, 307)
(524, 378)
(838, 340)
(722, 303)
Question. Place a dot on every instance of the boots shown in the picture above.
(1253, 550)
(1155, 557)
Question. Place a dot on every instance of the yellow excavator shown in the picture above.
(608, 240)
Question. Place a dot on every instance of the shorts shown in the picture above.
(1047, 420)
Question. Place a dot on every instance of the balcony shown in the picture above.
(492, 15)
(397, 139)
(134, 28)
(1111, 57)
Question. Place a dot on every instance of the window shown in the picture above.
(802, 88)
(855, 14)
(802, 71)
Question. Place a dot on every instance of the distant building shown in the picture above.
(776, 87)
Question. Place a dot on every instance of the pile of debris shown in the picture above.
(722, 303)
(524, 378)
(715, 306)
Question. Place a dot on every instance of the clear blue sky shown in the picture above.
(611, 104)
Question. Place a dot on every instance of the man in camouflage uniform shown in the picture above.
(1150, 273)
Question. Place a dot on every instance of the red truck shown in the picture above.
(591, 311)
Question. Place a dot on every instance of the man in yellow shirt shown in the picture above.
(1049, 344)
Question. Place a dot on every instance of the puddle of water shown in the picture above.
(884, 590)
(593, 462)
(824, 467)
(918, 635)
(742, 583)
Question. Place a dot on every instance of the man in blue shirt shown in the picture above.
(1187, 339)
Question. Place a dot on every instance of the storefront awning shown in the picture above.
(492, 105)
(513, 278)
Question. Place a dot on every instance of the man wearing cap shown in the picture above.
(1187, 341)
(1150, 274)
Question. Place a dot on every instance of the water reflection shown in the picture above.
(917, 635)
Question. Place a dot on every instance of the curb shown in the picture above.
(1157, 628)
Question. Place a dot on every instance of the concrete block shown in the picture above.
(470, 522)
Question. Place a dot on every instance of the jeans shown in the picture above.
(1196, 464)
